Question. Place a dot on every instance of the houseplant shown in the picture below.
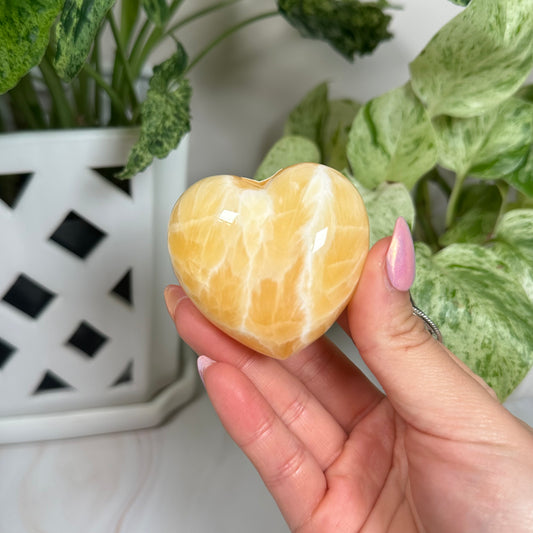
(83, 347)
(450, 151)
(65, 40)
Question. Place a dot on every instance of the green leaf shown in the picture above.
(513, 244)
(482, 311)
(522, 177)
(477, 60)
(307, 117)
(24, 35)
(326, 122)
(477, 211)
(349, 26)
(336, 130)
(487, 145)
(165, 114)
(384, 205)
(157, 11)
(75, 33)
(287, 151)
(392, 140)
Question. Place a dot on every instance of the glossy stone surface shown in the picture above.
(271, 263)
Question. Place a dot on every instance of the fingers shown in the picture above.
(424, 381)
(339, 385)
(289, 470)
(301, 412)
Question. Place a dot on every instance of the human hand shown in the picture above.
(436, 453)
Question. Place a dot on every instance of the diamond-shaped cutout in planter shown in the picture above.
(126, 376)
(87, 339)
(109, 173)
(123, 288)
(12, 186)
(28, 296)
(51, 382)
(77, 235)
(6, 350)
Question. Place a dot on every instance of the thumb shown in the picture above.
(424, 381)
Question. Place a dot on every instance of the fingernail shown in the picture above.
(401, 257)
(203, 362)
(173, 295)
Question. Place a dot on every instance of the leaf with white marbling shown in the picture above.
(488, 145)
(482, 310)
(335, 132)
(286, 152)
(513, 244)
(477, 60)
(392, 140)
(521, 178)
(384, 205)
(309, 114)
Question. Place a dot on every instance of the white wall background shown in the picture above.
(243, 90)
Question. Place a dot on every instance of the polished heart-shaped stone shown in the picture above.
(271, 263)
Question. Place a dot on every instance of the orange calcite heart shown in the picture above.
(271, 263)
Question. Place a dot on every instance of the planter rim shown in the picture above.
(104, 420)
(130, 131)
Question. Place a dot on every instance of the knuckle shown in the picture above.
(409, 332)
(289, 467)
(262, 432)
(295, 409)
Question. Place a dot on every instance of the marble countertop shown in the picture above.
(185, 476)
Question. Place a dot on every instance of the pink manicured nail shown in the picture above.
(203, 362)
(173, 296)
(401, 257)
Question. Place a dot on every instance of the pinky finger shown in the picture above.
(288, 469)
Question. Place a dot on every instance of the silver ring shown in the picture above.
(430, 325)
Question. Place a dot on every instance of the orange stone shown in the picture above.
(271, 263)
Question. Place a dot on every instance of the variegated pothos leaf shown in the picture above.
(489, 145)
(481, 308)
(392, 140)
(384, 205)
(75, 33)
(287, 151)
(477, 60)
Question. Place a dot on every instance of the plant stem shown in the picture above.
(137, 49)
(454, 198)
(95, 58)
(422, 201)
(62, 107)
(124, 59)
(31, 101)
(127, 21)
(22, 113)
(113, 95)
(198, 14)
(226, 34)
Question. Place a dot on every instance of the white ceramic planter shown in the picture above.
(86, 345)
